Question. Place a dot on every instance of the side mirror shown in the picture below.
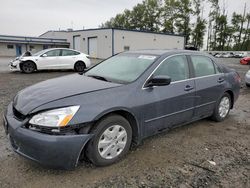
(158, 81)
(44, 55)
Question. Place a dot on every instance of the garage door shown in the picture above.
(92, 47)
(77, 43)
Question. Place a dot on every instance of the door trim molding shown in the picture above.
(174, 113)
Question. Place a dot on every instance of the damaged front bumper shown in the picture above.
(56, 151)
(14, 65)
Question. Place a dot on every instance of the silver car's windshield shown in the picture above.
(122, 68)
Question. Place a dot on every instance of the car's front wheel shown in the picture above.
(28, 67)
(222, 108)
(79, 66)
(111, 141)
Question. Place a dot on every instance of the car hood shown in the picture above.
(55, 89)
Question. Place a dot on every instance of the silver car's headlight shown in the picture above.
(54, 118)
(248, 73)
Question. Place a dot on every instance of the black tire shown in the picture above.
(216, 115)
(28, 67)
(248, 85)
(92, 150)
(79, 66)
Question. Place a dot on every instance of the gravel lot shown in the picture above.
(179, 158)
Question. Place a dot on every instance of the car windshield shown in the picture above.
(40, 52)
(122, 68)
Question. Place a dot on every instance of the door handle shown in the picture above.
(188, 88)
(221, 80)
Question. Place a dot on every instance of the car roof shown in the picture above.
(60, 49)
(166, 52)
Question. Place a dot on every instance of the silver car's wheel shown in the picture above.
(222, 108)
(112, 142)
(112, 136)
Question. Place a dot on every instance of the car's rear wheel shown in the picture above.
(111, 140)
(248, 85)
(28, 67)
(222, 108)
(79, 66)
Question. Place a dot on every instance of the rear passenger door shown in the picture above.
(209, 84)
(69, 58)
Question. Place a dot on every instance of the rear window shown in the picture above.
(69, 53)
(203, 66)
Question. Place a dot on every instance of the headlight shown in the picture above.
(54, 118)
(248, 73)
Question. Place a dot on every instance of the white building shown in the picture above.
(104, 42)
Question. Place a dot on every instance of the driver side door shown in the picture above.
(168, 106)
(49, 60)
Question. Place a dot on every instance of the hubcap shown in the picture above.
(224, 107)
(112, 142)
(27, 67)
(79, 67)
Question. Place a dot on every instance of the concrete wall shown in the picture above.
(122, 38)
(140, 40)
(104, 41)
(4, 51)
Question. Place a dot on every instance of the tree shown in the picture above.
(245, 43)
(242, 20)
(183, 14)
(200, 25)
(169, 15)
(214, 14)
(186, 17)
(144, 16)
(236, 28)
(222, 35)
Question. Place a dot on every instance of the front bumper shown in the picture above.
(56, 151)
(14, 65)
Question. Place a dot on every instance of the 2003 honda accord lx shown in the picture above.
(124, 99)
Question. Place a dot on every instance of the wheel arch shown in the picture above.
(230, 92)
(22, 62)
(81, 62)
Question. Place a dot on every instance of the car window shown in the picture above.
(53, 53)
(203, 66)
(175, 67)
(69, 53)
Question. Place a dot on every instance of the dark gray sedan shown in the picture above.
(120, 101)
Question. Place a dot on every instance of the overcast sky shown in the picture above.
(34, 17)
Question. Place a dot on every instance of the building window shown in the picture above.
(126, 48)
(10, 46)
(32, 48)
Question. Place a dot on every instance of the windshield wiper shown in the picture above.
(99, 77)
